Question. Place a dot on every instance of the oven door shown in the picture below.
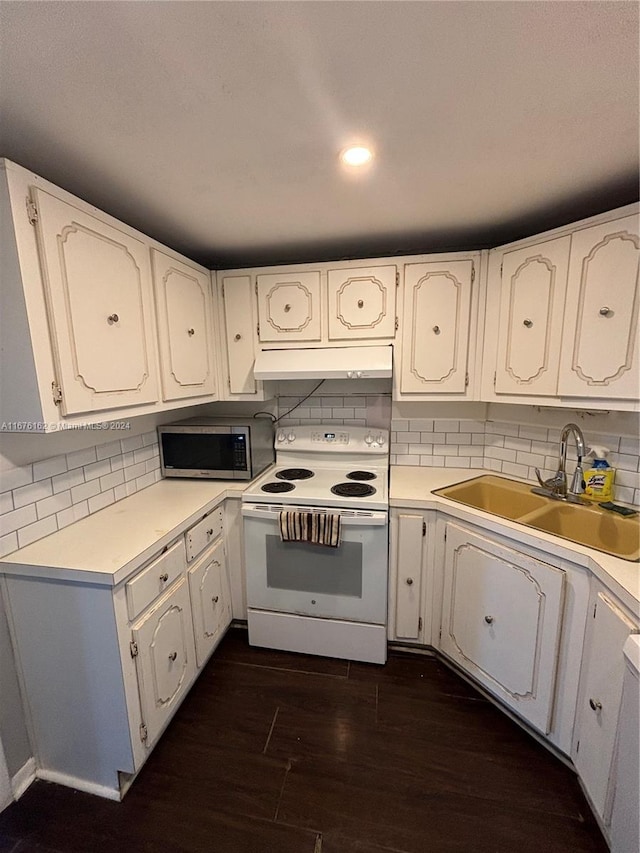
(348, 582)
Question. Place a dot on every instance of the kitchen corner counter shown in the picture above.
(413, 486)
(106, 547)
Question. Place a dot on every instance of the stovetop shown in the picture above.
(312, 462)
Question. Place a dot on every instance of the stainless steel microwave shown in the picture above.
(217, 448)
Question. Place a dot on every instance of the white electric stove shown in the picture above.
(313, 598)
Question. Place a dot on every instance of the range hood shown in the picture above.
(324, 363)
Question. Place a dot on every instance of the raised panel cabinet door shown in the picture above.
(533, 287)
(408, 576)
(362, 303)
(165, 661)
(99, 300)
(501, 619)
(600, 355)
(240, 328)
(289, 306)
(435, 329)
(184, 308)
(210, 600)
(601, 694)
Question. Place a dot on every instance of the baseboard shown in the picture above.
(23, 778)
(78, 784)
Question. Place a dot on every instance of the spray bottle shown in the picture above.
(599, 478)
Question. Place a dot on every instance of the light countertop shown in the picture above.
(412, 486)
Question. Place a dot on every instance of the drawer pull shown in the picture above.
(488, 619)
(164, 578)
(595, 705)
(173, 656)
(215, 599)
(210, 531)
(409, 581)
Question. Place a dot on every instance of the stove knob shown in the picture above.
(349, 374)
(291, 437)
(358, 374)
(368, 439)
(380, 439)
(281, 436)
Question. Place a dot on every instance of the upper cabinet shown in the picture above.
(289, 306)
(83, 337)
(98, 289)
(239, 328)
(562, 317)
(437, 338)
(362, 303)
(184, 305)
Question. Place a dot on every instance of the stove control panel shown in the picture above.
(321, 438)
(328, 437)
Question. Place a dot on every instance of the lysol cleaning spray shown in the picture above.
(599, 478)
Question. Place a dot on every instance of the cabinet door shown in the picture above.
(184, 306)
(601, 693)
(362, 303)
(435, 328)
(99, 299)
(600, 347)
(165, 662)
(210, 601)
(501, 621)
(289, 306)
(410, 539)
(532, 295)
(240, 328)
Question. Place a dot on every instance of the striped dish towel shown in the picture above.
(317, 527)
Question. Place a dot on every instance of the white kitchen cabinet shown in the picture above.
(362, 303)
(185, 328)
(99, 297)
(533, 286)
(407, 567)
(435, 335)
(501, 621)
(240, 324)
(600, 356)
(165, 658)
(289, 306)
(210, 600)
(600, 695)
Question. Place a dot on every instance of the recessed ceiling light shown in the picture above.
(356, 155)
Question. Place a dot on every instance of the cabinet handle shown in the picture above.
(360, 303)
(595, 705)
(238, 338)
(605, 311)
(488, 619)
(112, 318)
(164, 578)
(527, 323)
(210, 532)
(191, 332)
(409, 581)
(436, 330)
(287, 307)
(215, 599)
(173, 655)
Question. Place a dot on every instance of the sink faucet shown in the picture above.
(556, 486)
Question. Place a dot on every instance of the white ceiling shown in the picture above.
(215, 126)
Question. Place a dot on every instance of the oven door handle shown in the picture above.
(376, 519)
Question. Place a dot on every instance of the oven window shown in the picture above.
(304, 567)
(204, 451)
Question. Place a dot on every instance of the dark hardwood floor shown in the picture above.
(294, 754)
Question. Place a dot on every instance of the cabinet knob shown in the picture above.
(191, 332)
(173, 655)
(112, 318)
(409, 581)
(238, 338)
(215, 599)
(164, 578)
(595, 705)
(436, 330)
(210, 532)
(488, 619)
(287, 307)
(605, 311)
(527, 323)
(360, 303)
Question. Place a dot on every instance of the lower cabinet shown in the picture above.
(501, 620)
(408, 577)
(599, 699)
(210, 600)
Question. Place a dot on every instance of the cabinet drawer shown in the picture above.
(203, 533)
(155, 579)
